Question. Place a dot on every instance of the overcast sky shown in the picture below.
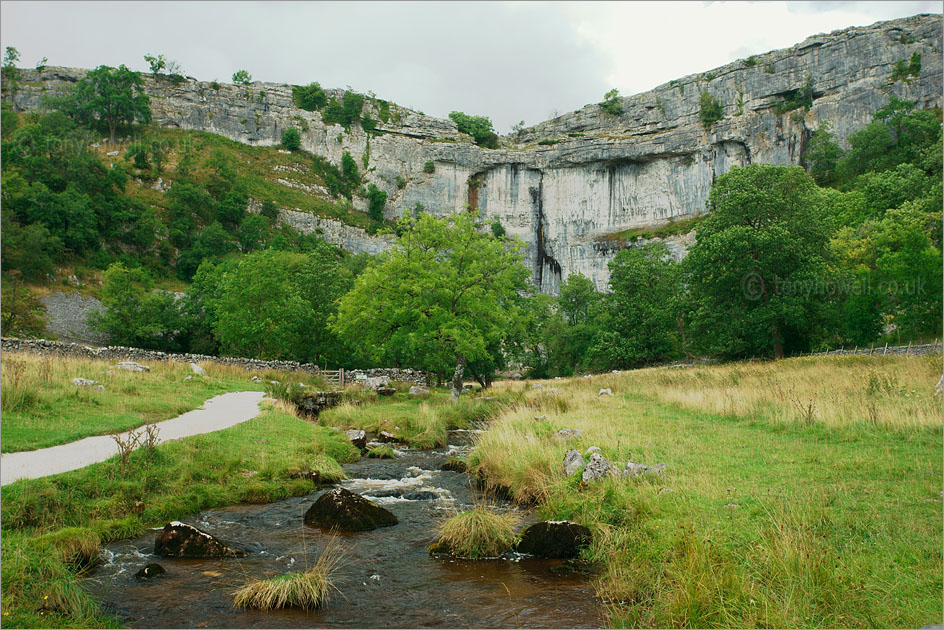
(506, 60)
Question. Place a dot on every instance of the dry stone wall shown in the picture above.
(594, 175)
(123, 353)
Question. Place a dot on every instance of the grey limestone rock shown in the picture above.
(595, 175)
(573, 461)
(597, 468)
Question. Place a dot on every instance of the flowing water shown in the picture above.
(387, 578)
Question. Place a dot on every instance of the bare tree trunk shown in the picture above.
(457, 377)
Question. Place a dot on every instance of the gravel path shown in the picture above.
(220, 412)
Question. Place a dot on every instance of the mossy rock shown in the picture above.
(344, 510)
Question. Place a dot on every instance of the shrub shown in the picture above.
(310, 97)
(429, 167)
(368, 124)
(711, 110)
(476, 534)
(291, 139)
(498, 229)
(378, 199)
(479, 127)
(750, 62)
(383, 110)
(904, 69)
(215, 85)
(801, 97)
(401, 182)
(611, 104)
(552, 141)
(242, 77)
(346, 112)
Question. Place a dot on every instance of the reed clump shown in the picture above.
(476, 534)
(308, 590)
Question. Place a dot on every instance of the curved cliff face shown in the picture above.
(595, 174)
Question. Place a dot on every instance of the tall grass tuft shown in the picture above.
(309, 590)
(479, 533)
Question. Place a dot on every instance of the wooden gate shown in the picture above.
(334, 377)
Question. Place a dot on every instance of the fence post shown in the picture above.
(886, 349)
(909, 347)
(341, 378)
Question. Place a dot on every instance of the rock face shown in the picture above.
(347, 511)
(595, 175)
(67, 316)
(185, 541)
(554, 539)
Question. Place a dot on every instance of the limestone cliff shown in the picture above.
(566, 183)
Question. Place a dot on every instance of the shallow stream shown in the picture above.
(387, 579)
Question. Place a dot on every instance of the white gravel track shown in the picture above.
(219, 412)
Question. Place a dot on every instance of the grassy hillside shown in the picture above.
(258, 168)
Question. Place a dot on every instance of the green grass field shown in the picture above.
(799, 493)
(765, 517)
(42, 408)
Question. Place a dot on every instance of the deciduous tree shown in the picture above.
(437, 300)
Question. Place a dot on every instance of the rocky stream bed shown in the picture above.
(388, 578)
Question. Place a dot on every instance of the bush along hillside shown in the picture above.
(153, 208)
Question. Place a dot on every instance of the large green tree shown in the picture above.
(275, 305)
(758, 267)
(439, 299)
(111, 96)
(644, 323)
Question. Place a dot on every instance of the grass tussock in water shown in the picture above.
(381, 452)
(767, 515)
(308, 590)
(479, 533)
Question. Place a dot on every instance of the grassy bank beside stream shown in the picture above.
(41, 407)
(45, 521)
(802, 493)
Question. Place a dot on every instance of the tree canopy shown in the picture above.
(439, 299)
(111, 96)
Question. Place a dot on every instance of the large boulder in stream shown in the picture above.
(554, 539)
(180, 540)
(347, 511)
